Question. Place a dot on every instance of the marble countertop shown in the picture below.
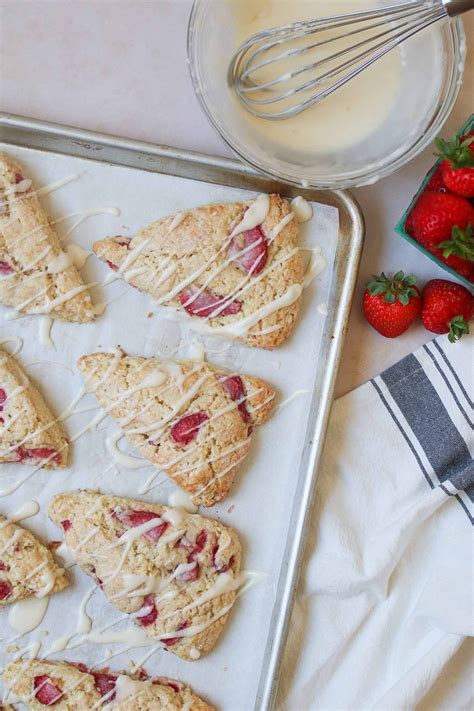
(119, 66)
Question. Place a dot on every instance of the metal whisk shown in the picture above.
(269, 89)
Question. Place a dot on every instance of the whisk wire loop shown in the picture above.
(281, 96)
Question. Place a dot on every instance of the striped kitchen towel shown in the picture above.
(384, 614)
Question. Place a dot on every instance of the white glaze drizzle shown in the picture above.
(182, 499)
(17, 341)
(120, 458)
(45, 324)
(316, 265)
(301, 209)
(25, 615)
(255, 215)
(77, 255)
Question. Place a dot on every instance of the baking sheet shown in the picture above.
(259, 504)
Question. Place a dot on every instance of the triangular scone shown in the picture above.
(175, 573)
(73, 687)
(26, 566)
(36, 276)
(29, 433)
(243, 285)
(190, 419)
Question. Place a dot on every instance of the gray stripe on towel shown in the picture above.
(430, 423)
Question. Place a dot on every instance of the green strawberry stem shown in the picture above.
(461, 243)
(458, 327)
(457, 151)
(397, 287)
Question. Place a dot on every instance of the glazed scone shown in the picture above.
(175, 573)
(26, 566)
(29, 432)
(36, 276)
(73, 687)
(234, 268)
(188, 418)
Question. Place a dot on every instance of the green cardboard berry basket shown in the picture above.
(400, 226)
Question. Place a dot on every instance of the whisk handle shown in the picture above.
(457, 7)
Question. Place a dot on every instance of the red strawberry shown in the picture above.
(235, 388)
(5, 268)
(391, 305)
(150, 613)
(3, 399)
(189, 576)
(175, 685)
(138, 518)
(207, 302)
(194, 549)
(96, 577)
(105, 684)
(435, 215)
(436, 183)
(224, 567)
(249, 250)
(5, 589)
(447, 308)
(172, 640)
(47, 692)
(24, 454)
(409, 224)
(186, 429)
(458, 164)
(458, 252)
(123, 241)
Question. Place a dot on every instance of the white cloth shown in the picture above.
(384, 612)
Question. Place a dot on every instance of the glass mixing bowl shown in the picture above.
(430, 74)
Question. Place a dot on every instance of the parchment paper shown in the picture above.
(259, 503)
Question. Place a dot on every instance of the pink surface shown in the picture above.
(119, 66)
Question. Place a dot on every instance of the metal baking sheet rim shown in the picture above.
(56, 138)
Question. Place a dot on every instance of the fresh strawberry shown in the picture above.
(436, 183)
(206, 302)
(435, 215)
(47, 692)
(391, 305)
(150, 613)
(186, 429)
(248, 250)
(447, 307)
(457, 166)
(458, 252)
